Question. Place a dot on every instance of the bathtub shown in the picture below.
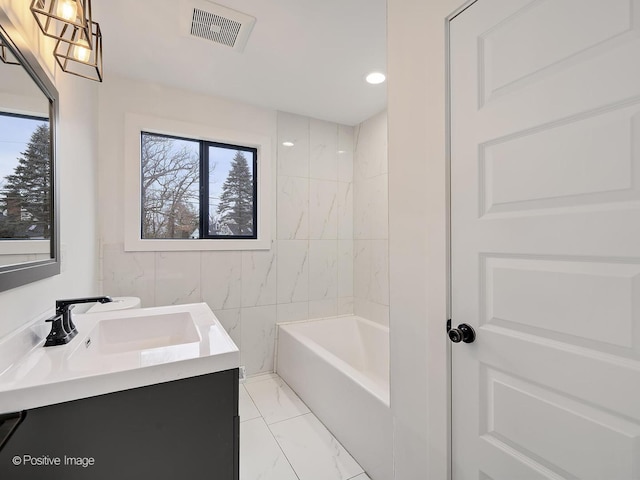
(340, 368)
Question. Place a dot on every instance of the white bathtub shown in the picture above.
(340, 368)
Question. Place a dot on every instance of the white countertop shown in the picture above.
(45, 376)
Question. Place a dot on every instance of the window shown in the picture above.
(25, 176)
(179, 220)
(196, 189)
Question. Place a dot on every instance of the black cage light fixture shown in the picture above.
(59, 19)
(81, 56)
(6, 56)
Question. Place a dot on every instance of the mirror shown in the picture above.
(29, 249)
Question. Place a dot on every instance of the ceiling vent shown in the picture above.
(215, 23)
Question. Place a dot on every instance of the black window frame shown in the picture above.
(204, 171)
(204, 189)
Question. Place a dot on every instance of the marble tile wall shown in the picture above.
(330, 250)
(371, 220)
(309, 271)
(314, 218)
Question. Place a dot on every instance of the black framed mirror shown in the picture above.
(29, 233)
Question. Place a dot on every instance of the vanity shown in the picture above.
(147, 393)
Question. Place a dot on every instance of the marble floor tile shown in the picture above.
(312, 451)
(275, 400)
(362, 476)
(260, 377)
(260, 455)
(247, 408)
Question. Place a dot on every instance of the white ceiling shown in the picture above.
(304, 56)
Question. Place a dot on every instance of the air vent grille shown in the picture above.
(218, 25)
(214, 27)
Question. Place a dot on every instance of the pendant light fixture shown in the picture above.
(59, 19)
(6, 56)
(81, 56)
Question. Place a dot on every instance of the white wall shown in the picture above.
(249, 291)
(417, 235)
(371, 220)
(19, 94)
(77, 161)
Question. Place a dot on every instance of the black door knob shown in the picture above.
(464, 333)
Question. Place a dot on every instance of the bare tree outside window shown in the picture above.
(170, 186)
(194, 189)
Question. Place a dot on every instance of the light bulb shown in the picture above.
(376, 78)
(68, 9)
(81, 52)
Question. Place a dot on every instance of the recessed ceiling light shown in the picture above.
(288, 144)
(342, 151)
(375, 78)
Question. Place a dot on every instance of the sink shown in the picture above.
(129, 334)
(119, 350)
(143, 340)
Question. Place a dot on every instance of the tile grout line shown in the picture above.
(280, 447)
(279, 386)
(277, 444)
(270, 433)
(269, 427)
(256, 376)
(310, 412)
(249, 419)
(356, 476)
(287, 419)
(339, 443)
(252, 402)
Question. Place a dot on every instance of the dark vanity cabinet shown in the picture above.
(188, 428)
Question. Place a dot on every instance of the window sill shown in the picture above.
(138, 245)
(26, 247)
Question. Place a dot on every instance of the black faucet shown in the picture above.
(62, 327)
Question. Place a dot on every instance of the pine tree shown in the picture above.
(236, 201)
(28, 190)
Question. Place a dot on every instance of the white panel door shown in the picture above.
(545, 239)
